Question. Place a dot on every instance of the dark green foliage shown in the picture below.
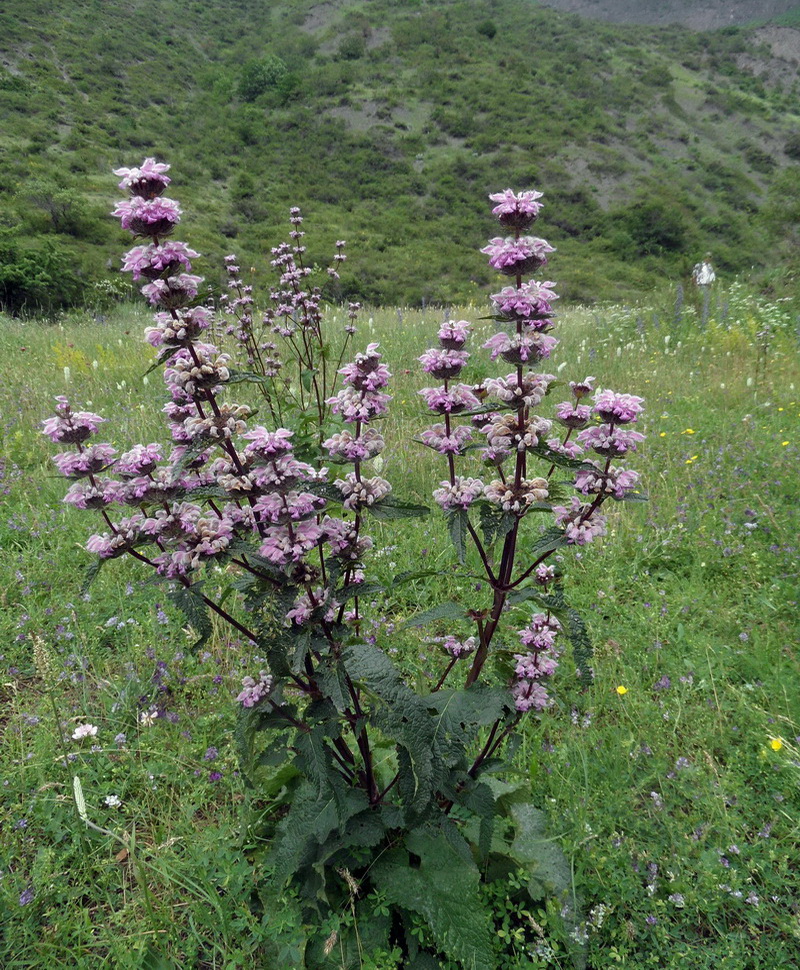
(427, 848)
(35, 281)
(428, 876)
(792, 146)
(649, 227)
(260, 76)
(352, 47)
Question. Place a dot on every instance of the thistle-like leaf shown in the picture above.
(189, 600)
(442, 611)
(91, 573)
(556, 458)
(495, 523)
(457, 523)
(443, 889)
(391, 508)
(582, 649)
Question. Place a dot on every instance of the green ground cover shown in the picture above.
(671, 782)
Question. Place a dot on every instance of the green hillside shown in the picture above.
(697, 14)
(389, 124)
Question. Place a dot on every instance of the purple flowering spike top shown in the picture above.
(147, 181)
(517, 211)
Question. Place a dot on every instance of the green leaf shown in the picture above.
(163, 356)
(391, 508)
(307, 377)
(189, 600)
(536, 851)
(556, 458)
(307, 823)
(410, 576)
(471, 707)
(528, 594)
(549, 541)
(359, 589)
(480, 800)
(331, 680)
(582, 649)
(326, 489)
(320, 810)
(402, 717)
(443, 887)
(91, 573)
(248, 377)
(252, 722)
(457, 717)
(443, 611)
(193, 451)
(633, 497)
(457, 523)
(495, 523)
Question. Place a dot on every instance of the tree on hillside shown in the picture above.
(62, 206)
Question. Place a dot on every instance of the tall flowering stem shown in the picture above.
(287, 346)
(518, 519)
(229, 492)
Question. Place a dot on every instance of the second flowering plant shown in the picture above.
(374, 800)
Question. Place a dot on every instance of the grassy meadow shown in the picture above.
(671, 782)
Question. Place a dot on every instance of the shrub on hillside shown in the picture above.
(36, 281)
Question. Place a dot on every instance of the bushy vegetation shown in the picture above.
(388, 123)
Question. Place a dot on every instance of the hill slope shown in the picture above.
(389, 124)
(695, 14)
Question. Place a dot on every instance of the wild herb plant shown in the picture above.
(377, 799)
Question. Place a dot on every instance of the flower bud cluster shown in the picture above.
(360, 401)
(254, 691)
(538, 664)
(68, 426)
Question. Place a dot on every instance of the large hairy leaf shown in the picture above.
(549, 541)
(313, 819)
(556, 458)
(542, 858)
(495, 523)
(189, 600)
(391, 508)
(459, 713)
(457, 523)
(433, 879)
(401, 716)
(442, 611)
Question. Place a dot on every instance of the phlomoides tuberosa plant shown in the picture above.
(375, 798)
